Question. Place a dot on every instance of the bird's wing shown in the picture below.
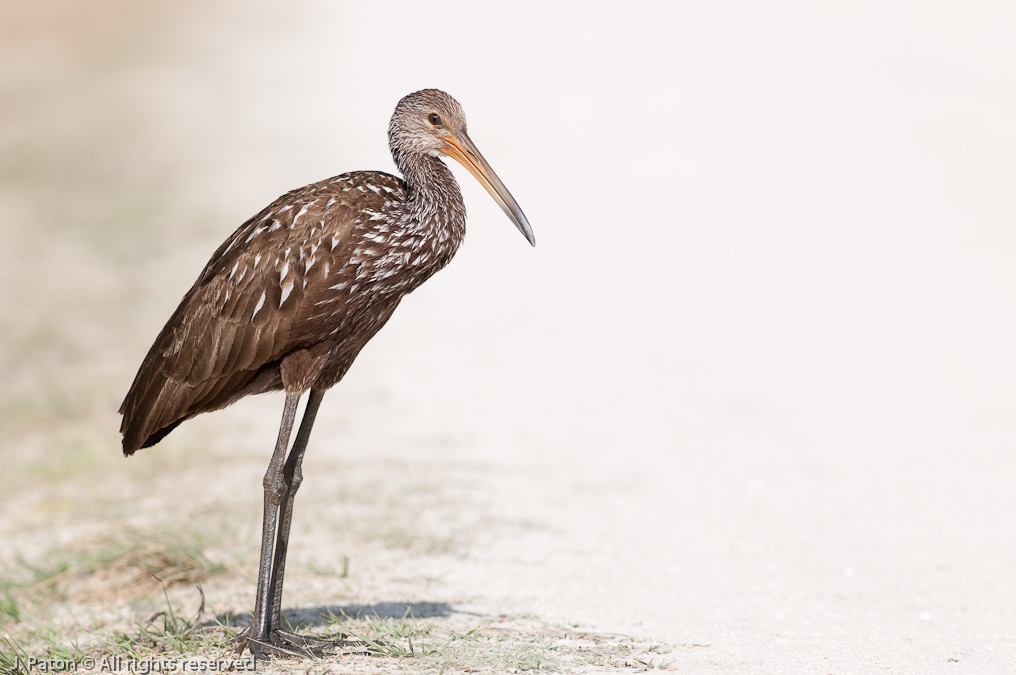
(238, 317)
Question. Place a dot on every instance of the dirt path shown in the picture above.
(745, 410)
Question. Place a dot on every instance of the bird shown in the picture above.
(292, 296)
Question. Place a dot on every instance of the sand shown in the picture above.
(749, 398)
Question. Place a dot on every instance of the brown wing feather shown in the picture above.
(231, 329)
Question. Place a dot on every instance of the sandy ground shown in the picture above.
(750, 397)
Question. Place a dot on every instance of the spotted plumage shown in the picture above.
(325, 263)
(290, 299)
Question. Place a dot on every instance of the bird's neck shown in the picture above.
(434, 199)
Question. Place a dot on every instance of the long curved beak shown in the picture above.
(462, 150)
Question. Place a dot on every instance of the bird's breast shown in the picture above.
(383, 259)
(397, 259)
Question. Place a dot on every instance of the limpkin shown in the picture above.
(290, 299)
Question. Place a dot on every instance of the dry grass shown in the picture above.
(105, 569)
(500, 645)
(441, 644)
(43, 600)
(57, 607)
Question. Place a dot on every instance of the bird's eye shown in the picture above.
(435, 119)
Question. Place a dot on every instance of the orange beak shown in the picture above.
(462, 150)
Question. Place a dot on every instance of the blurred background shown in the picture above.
(752, 393)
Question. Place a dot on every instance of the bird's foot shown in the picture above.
(283, 643)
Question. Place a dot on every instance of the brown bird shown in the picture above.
(290, 299)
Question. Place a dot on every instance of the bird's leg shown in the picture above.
(258, 633)
(293, 475)
(264, 634)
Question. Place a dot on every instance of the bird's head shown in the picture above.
(424, 120)
(430, 122)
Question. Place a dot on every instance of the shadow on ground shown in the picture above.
(321, 615)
